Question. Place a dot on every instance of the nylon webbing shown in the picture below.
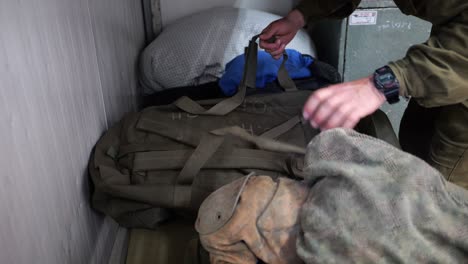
(226, 106)
(205, 150)
(140, 147)
(180, 133)
(211, 143)
(281, 129)
(208, 145)
(248, 80)
(192, 136)
(235, 158)
(284, 79)
(260, 142)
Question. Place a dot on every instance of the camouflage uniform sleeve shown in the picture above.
(314, 10)
(436, 73)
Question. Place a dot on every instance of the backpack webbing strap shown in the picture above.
(195, 136)
(284, 79)
(248, 80)
(139, 147)
(210, 144)
(205, 150)
(223, 159)
(282, 129)
(192, 137)
(179, 132)
(260, 142)
(226, 106)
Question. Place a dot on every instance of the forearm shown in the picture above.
(314, 10)
(297, 18)
(436, 73)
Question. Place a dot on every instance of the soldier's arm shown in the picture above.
(314, 10)
(436, 73)
(285, 29)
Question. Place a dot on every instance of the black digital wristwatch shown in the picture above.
(386, 82)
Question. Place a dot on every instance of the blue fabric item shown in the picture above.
(267, 70)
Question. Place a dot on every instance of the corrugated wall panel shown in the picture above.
(171, 10)
(52, 84)
(119, 34)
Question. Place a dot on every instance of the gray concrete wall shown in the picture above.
(67, 72)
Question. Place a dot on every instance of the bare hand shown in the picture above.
(343, 105)
(284, 31)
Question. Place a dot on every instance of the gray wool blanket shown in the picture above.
(372, 203)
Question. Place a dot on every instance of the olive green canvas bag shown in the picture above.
(168, 159)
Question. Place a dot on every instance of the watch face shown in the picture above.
(387, 83)
(387, 79)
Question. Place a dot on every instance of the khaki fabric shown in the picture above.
(168, 243)
(169, 158)
(436, 72)
(438, 135)
(173, 242)
(261, 222)
(372, 203)
(162, 158)
(362, 201)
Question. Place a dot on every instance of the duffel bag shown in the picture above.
(168, 159)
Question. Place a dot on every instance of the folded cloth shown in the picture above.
(267, 70)
(372, 203)
(362, 201)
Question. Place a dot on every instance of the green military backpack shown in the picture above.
(168, 159)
